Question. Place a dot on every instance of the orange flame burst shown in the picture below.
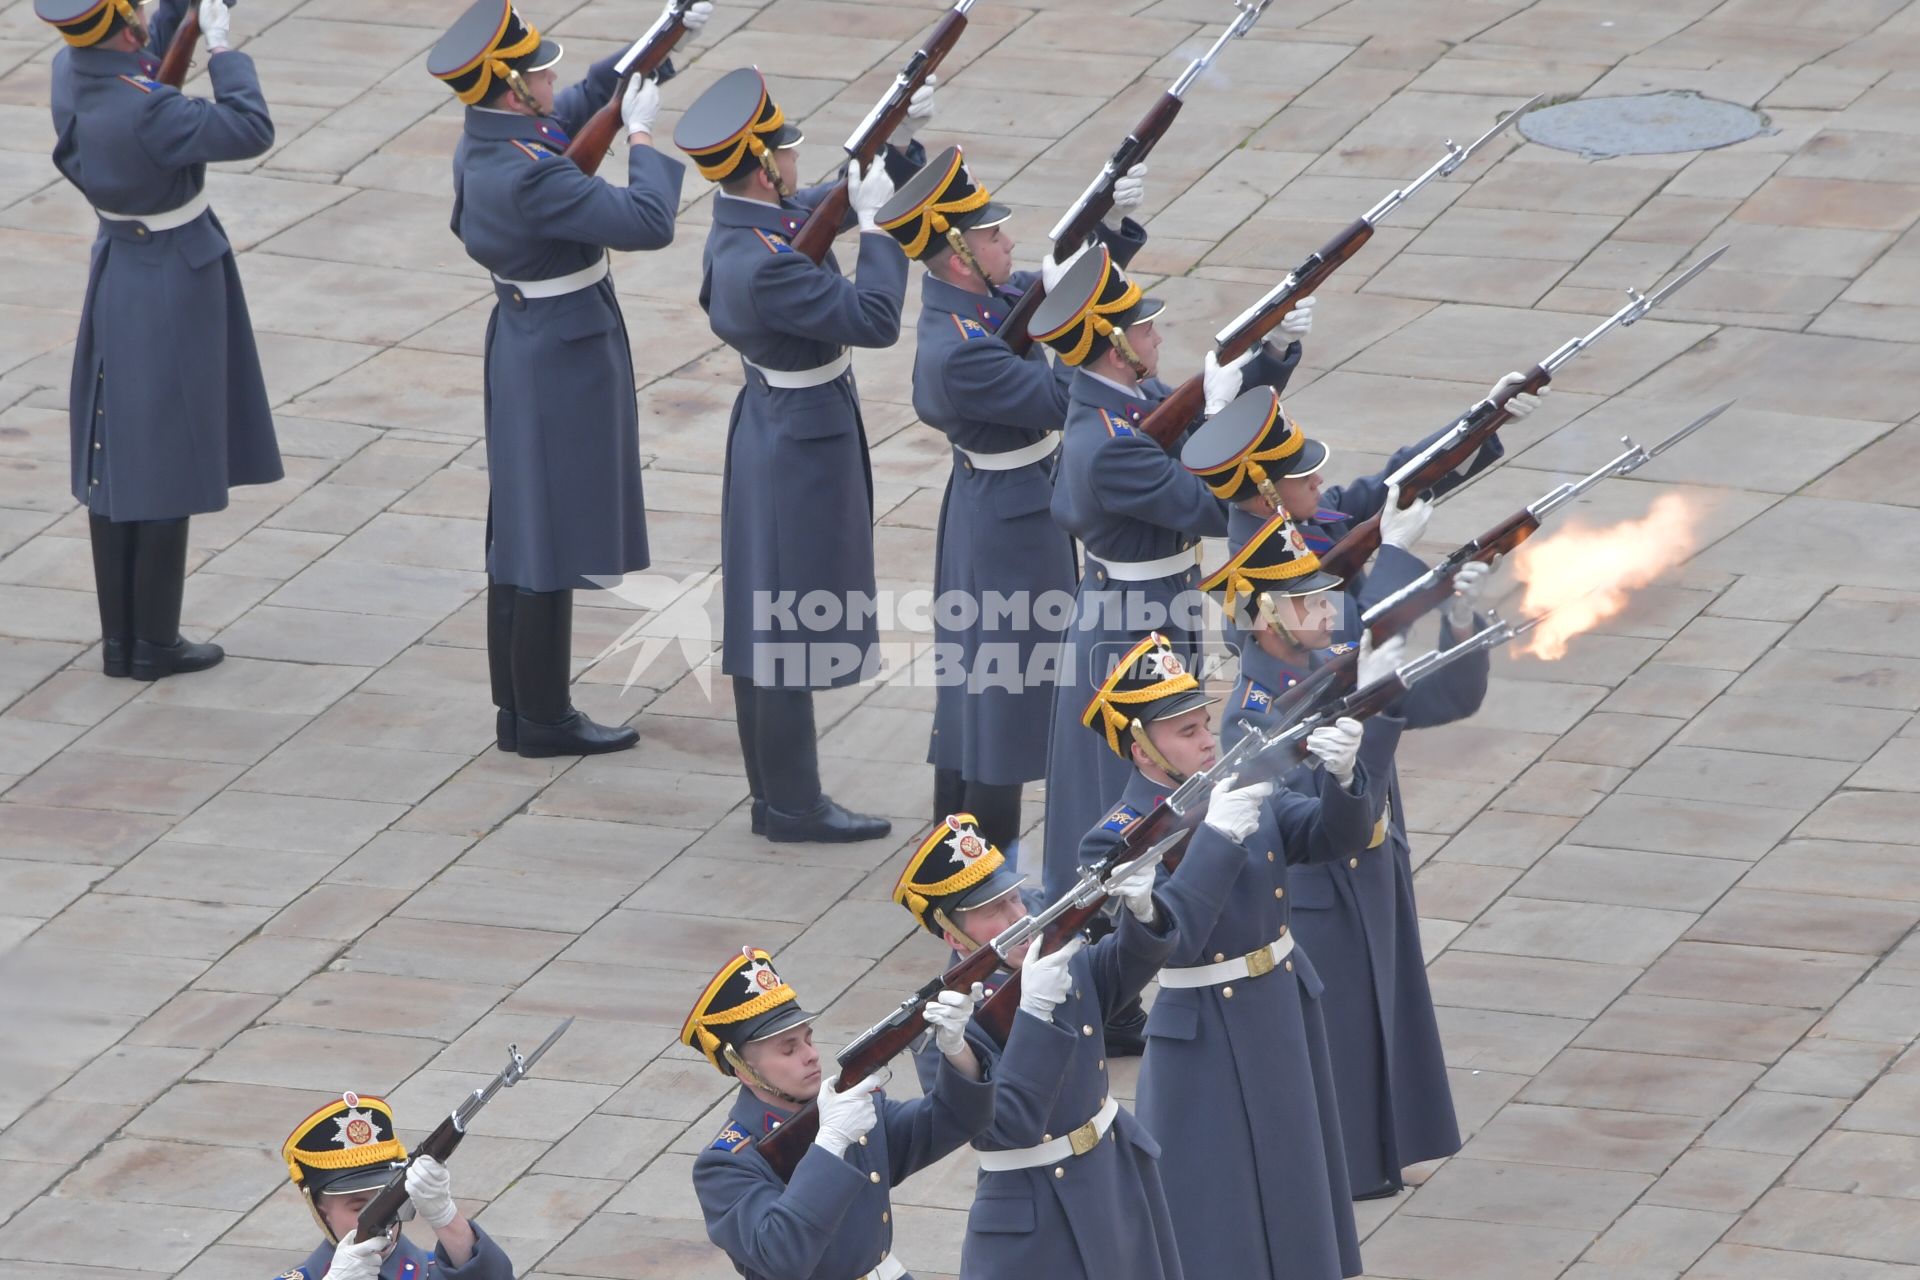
(1583, 576)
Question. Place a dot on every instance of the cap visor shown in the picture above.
(987, 215)
(1145, 311)
(1313, 455)
(995, 887)
(785, 1018)
(353, 1181)
(1313, 584)
(789, 136)
(545, 56)
(1180, 704)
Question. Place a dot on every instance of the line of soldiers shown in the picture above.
(1245, 1157)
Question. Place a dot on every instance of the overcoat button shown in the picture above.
(1226, 993)
(1059, 1172)
(1279, 893)
(1353, 862)
(874, 1176)
(1289, 966)
(1218, 956)
(1086, 1031)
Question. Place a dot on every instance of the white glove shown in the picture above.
(846, 1116)
(1298, 322)
(1222, 382)
(1234, 814)
(698, 15)
(1524, 403)
(1130, 189)
(1377, 664)
(1468, 582)
(1402, 528)
(351, 1259)
(1137, 892)
(919, 111)
(640, 106)
(948, 1014)
(215, 18)
(1336, 746)
(868, 193)
(1044, 979)
(430, 1187)
(1051, 272)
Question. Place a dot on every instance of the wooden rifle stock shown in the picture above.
(1086, 220)
(1347, 556)
(995, 1014)
(1170, 419)
(595, 140)
(178, 59)
(815, 236)
(382, 1211)
(879, 1045)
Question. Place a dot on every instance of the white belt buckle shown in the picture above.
(560, 286)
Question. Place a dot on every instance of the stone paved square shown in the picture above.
(1669, 885)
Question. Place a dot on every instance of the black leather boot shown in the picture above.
(159, 581)
(949, 794)
(789, 755)
(997, 806)
(746, 721)
(500, 596)
(1127, 1031)
(113, 589)
(545, 721)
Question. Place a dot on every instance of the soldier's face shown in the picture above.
(1145, 338)
(1300, 495)
(788, 1061)
(789, 166)
(1309, 622)
(1186, 740)
(342, 1213)
(541, 85)
(983, 923)
(993, 250)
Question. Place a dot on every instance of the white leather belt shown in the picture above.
(1012, 460)
(1251, 965)
(560, 286)
(801, 379)
(890, 1268)
(1149, 570)
(1077, 1143)
(166, 221)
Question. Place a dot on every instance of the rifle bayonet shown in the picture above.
(1456, 156)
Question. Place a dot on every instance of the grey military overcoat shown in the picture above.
(409, 1261)
(563, 431)
(168, 406)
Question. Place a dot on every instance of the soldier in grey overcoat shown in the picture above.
(1236, 1083)
(1138, 514)
(1069, 1185)
(168, 407)
(340, 1158)
(1000, 561)
(833, 1219)
(1356, 912)
(565, 509)
(797, 498)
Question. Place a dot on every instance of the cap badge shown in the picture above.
(356, 1128)
(759, 976)
(966, 844)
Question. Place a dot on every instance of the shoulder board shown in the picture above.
(1257, 697)
(774, 243)
(1116, 425)
(533, 152)
(1327, 515)
(1122, 817)
(142, 83)
(732, 1138)
(1338, 649)
(970, 329)
(298, 1273)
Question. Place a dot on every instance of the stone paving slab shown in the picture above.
(1667, 883)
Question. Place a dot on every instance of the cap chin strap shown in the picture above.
(963, 251)
(1280, 629)
(518, 85)
(948, 923)
(753, 1079)
(764, 155)
(1160, 762)
(1118, 337)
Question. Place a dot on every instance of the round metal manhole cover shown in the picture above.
(1645, 124)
